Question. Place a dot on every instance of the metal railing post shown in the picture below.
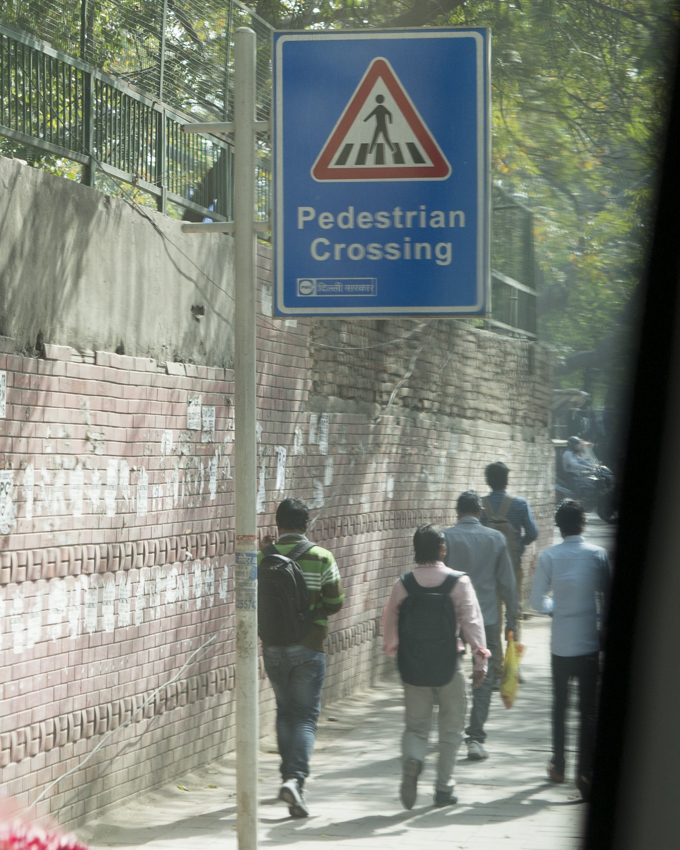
(161, 50)
(227, 58)
(88, 129)
(83, 30)
(245, 441)
(162, 160)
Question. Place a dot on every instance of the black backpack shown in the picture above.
(283, 612)
(428, 646)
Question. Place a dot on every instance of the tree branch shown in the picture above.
(424, 12)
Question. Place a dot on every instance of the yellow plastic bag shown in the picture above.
(510, 674)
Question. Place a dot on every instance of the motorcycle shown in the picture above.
(595, 488)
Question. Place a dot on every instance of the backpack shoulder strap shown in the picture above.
(302, 547)
(488, 510)
(504, 506)
(447, 585)
(270, 550)
(410, 583)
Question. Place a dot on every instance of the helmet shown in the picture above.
(573, 443)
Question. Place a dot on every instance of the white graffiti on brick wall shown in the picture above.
(313, 425)
(68, 485)
(124, 481)
(166, 442)
(57, 603)
(198, 584)
(298, 441)
(3, 394)
(76, 483)
(123, 600)
(194, 405)
(34, 621)
(323, 433)
(156, 585)
(27, 491)
(261, 494)
(142, 493)
(213, 468)
(208, 424)
(95, 489)
(281, 454)
(328, 472)
(103, 603)
(16, 623)
(140, 602)
(58, 495)
(108, 605)
(111, 487)
(74, 610)
(6, 500)
(91, 605)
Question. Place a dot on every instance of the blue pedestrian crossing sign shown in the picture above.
(381, 173)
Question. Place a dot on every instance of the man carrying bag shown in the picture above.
(426, 612)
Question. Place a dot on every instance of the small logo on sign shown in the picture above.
(306, 287)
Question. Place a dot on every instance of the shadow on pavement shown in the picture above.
(518, 805)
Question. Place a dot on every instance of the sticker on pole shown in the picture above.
(380, 135)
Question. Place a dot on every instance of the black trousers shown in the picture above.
(585, 668)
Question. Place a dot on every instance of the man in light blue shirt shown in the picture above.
(579, 577)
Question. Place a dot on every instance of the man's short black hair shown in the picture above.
(496, 475)
(468, 503)
(292, 514)
(570, 517)
(427, 542)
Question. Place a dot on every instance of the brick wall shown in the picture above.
(116, 524)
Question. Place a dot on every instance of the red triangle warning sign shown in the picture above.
(380, 135)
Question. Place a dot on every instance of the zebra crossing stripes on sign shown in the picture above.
(380, 135)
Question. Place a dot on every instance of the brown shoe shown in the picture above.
(553, 774)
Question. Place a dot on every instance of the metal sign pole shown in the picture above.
(245, 440)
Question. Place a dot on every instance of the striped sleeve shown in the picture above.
(331, 573)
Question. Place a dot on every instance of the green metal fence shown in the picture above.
(513, 294)
(116, 82)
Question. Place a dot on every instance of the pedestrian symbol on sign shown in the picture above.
(380, 135)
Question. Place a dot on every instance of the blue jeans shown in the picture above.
(481, 696)
(297, 675)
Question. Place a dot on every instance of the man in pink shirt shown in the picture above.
(429, 544)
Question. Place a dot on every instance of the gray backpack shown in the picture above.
(500, 522)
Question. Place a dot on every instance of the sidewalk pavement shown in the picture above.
(504, 802)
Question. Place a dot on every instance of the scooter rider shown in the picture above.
(572, 462)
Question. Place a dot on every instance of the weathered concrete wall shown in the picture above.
(117, 516)
(92, 272)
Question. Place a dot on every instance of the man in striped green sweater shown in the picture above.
(296, 671)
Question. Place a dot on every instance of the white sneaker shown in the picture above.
(476, 751)
(292, 794)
